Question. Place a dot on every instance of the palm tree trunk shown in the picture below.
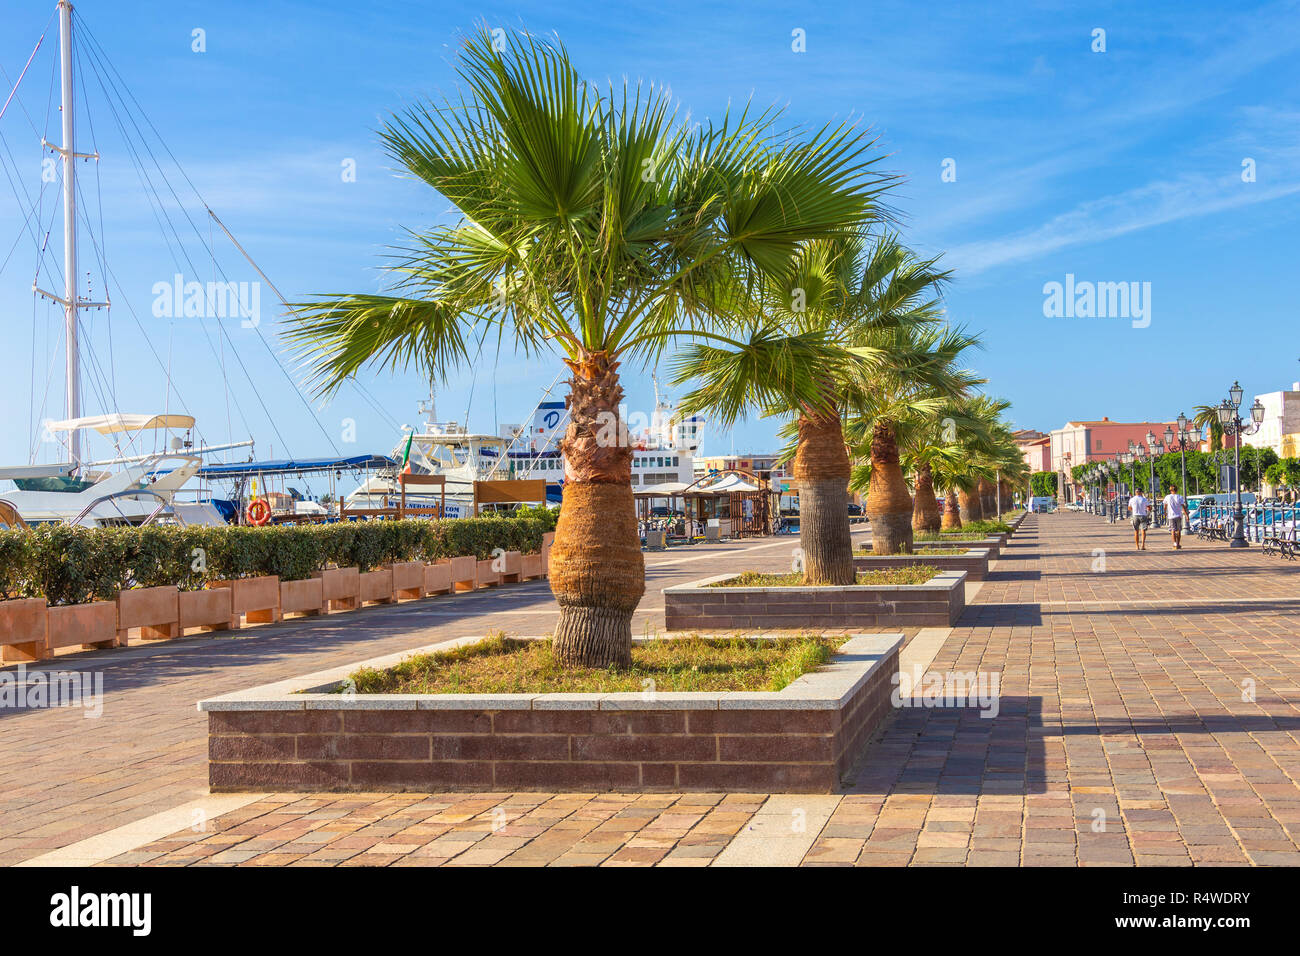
(888, 503)
(821, 467)
(988, 503)
(597, 572)
(951, 511)
(970, 505)
(925, 509)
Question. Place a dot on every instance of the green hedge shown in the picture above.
(70, 565)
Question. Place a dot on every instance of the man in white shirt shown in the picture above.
(1140, 505)
(1176, 509)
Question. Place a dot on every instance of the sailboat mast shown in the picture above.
(72, 369)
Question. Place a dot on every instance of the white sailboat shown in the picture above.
(126, 489)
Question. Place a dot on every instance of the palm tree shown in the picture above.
(924, 382)
(853, 297)
(600, 226)
(1207, 416)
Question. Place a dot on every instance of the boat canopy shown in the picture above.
(295, 466)
(117, 422)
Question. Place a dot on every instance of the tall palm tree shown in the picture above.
(600, 226)
(853, 297)
(919, 387)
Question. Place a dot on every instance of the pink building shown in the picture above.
(1036, 447)
(1086, 441)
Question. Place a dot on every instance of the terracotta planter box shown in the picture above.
(377, 587)
(24, 630)
(305, 597)
(155, 611)
(298, 736)
(532, 567)
(257, 599)
(90, 625)
(437, 579)
(463, 573)
(512, 564)
(975, 562)
(548, 539)
(208, 610)
(486, 576)
(696, 606)
(341, 588)
(408, 579)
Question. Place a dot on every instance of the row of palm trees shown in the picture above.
(601, 225)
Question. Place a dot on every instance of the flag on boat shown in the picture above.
(406, 455)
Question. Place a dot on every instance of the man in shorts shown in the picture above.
(1176, 509)
(1140, 506)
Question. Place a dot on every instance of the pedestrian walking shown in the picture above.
(1176, 509)
(1140, 505)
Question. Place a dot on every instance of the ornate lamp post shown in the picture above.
(1184, 439)
(1233, 424)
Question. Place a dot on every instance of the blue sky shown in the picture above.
(1117, 166)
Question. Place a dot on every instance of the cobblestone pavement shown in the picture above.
(1147, 715)
(69, 778)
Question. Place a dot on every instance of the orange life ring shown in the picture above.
(258, 512)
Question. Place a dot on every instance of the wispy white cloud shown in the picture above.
(1154, 204)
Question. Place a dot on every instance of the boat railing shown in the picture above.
(163, 503)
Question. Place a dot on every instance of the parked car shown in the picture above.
(855, 511)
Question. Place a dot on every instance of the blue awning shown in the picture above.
(295, 466)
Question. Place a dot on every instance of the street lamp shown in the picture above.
(1184, 437)
(1229, 412)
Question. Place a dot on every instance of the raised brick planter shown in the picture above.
(295, 736)
(975, 562)
(696, 606)
(992, 544)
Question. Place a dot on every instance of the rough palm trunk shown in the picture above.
(925, 509)
(821, 467)
(888, 503)
(969, 505)
(988, 498)
(951, 511)
(597, 572)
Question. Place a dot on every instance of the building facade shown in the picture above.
(1081, 442)
(1281, 426)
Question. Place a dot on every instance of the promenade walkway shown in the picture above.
(1147, 715)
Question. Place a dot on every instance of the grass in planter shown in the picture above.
(915, 574)
(503, 665)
